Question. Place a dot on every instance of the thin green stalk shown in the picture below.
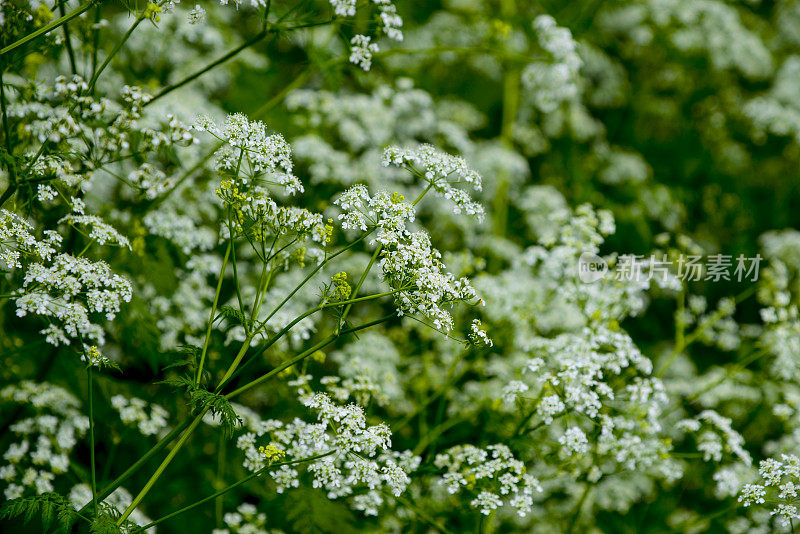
(684, 341)
(325, 342)
(12, 171)
(91, 438)
(139, 18)
(315, 271)
(247, 44)
(95, 39)
(211, 315)
(576, 515)
(434, 433)
(218, 509)
(427, 402)
(50, 27)
(422, 515)
(424, 192)
(163, 442)
(161, 468)
(229, 488)
(511, 82)
(233, 372)
(232, 247)
(67, 39)
(361, 280)
(487, 523)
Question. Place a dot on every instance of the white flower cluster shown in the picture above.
(409, 262)
(133, 411)
(81, 494)
(698, 27)
(414, 267)
(65, 112)
(441, 171)
(67, 291)
(387, 213)
(493, 473)
(261, 218)
(249, 150)
(197, 14)
(151, 180)
(717, 436)
(42, 442)
(478, 335)
(780, 483)
(245, 520)
(359, 453)
(180, 229)
(557, 82)
(98, 230)
(368, 372)
(362, 48)
(16, 239)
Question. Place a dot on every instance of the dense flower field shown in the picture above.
(344, 266)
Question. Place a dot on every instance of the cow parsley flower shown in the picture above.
(41, 443)
(17, 240)
(414, 267)
(99, 231)
(780, 480)
(358, 454)
(478, 335)
(442, 172)
(67, 291)
(493, 472)
(133, 411)
(387, 213)
(361, 50)
(197, 14)
(574, 441)
(249, 151)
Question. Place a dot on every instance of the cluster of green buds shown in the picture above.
(339, 290)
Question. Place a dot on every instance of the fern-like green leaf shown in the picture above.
(104, 524)
(48, 506)
(232, 314)
(217, 404)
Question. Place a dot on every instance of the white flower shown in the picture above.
(442, 171)
(361, 50)
(197, 14)
(574, 441)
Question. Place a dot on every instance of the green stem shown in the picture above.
(232, 247)
(168, 89)
(67, 39)
(315, 271)
(325, 342)
(163, 442)
(46, 29)
(229, 488)
(422, 515)
(139, 18)
(211, 315)
(576, 515)
(361, 281)
(12, 172)
(289, 326)
(91, 438)
(161, 468)
(683, 342)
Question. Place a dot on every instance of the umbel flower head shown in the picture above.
(251, 153)
(409, 262)
(442, 172)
